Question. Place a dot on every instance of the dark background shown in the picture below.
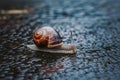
(95, 25)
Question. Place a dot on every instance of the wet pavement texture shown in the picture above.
(95, 26)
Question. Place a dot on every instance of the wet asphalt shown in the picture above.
(95, 31)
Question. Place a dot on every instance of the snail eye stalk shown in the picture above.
(71, 36)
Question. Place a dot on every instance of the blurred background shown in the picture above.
(11, 8)
(95, 25)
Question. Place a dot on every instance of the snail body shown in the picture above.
(47, 37)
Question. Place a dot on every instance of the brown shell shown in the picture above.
(47, 37)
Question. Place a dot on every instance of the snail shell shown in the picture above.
(47, 37)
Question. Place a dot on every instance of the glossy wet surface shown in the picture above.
(95, 27)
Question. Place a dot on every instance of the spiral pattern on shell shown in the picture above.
(47, 37)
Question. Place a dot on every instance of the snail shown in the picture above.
(48, 39)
